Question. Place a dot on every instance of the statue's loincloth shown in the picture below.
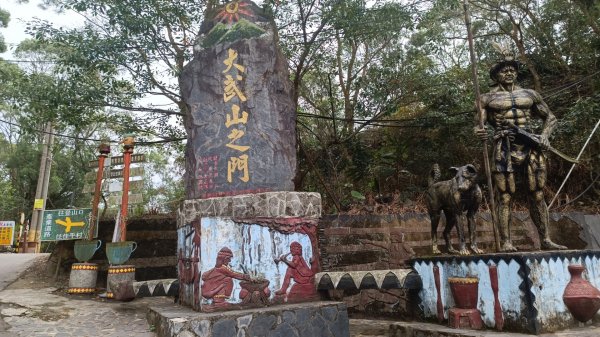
(510, 152)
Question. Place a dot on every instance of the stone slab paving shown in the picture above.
(46, 312)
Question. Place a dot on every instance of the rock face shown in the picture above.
(241, 121)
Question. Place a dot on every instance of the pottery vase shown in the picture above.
(84, 249)
(464, 291)
(580, 296)
(119, 252)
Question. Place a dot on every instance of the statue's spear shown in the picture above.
(486, 162)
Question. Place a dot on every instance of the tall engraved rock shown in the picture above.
(241, 126)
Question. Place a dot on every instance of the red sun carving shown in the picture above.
(231, 12)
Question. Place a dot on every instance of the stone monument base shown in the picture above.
(519, 292)
(302, 320)
(248, 251)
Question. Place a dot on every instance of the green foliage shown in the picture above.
(220, 33)
(20, 155)
(357, 195)
(164, 190)
(137, 48)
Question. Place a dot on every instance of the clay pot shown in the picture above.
(252, 286)
(581, 298)
(465, 291)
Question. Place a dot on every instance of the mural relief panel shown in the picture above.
(240, 265)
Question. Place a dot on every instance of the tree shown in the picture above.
(381, 87)
(145, 43)
(4, 19)
(30, 97)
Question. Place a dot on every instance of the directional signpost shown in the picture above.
(66, 224)
(113, 180)
(120, 160)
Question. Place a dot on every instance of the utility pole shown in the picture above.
(41, 191)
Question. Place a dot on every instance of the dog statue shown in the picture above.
(454, 197)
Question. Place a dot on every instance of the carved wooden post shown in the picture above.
(498, 317)
(128, 144)
(438, 287)
(104, 149)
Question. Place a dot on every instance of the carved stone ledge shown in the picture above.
(126, 290)
(369, 279)
(259, 205)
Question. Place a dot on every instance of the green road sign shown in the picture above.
(66, 224)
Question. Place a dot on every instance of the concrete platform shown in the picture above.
(529, 291)
(380, 328)
(312, 319)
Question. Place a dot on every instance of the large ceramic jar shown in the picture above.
(580, 296)
(465, 291)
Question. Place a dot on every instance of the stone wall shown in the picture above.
(365, 242)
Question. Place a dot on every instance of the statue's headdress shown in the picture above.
(506, 58)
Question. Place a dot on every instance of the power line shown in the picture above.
(169, 140)
(374, 122)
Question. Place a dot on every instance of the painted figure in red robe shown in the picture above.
(218, 282)
(300, 272)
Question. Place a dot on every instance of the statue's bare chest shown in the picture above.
(499, 101)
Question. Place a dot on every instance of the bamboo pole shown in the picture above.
(486, 162)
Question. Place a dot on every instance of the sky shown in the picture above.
(20, 14)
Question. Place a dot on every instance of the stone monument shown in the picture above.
(245, 238)
(241, 121)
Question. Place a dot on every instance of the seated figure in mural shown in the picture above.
(218, 281)
(300, 272)
(509, 109)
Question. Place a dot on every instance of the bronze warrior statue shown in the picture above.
(508, 108)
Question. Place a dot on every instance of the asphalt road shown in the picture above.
(12, 265)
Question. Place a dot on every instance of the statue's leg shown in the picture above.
(505, 187)
(450, 223)
(473, 231)
(538, 210)
(435, 220)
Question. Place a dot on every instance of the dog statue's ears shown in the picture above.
(471, 168)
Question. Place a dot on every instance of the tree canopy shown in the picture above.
(387, 84)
